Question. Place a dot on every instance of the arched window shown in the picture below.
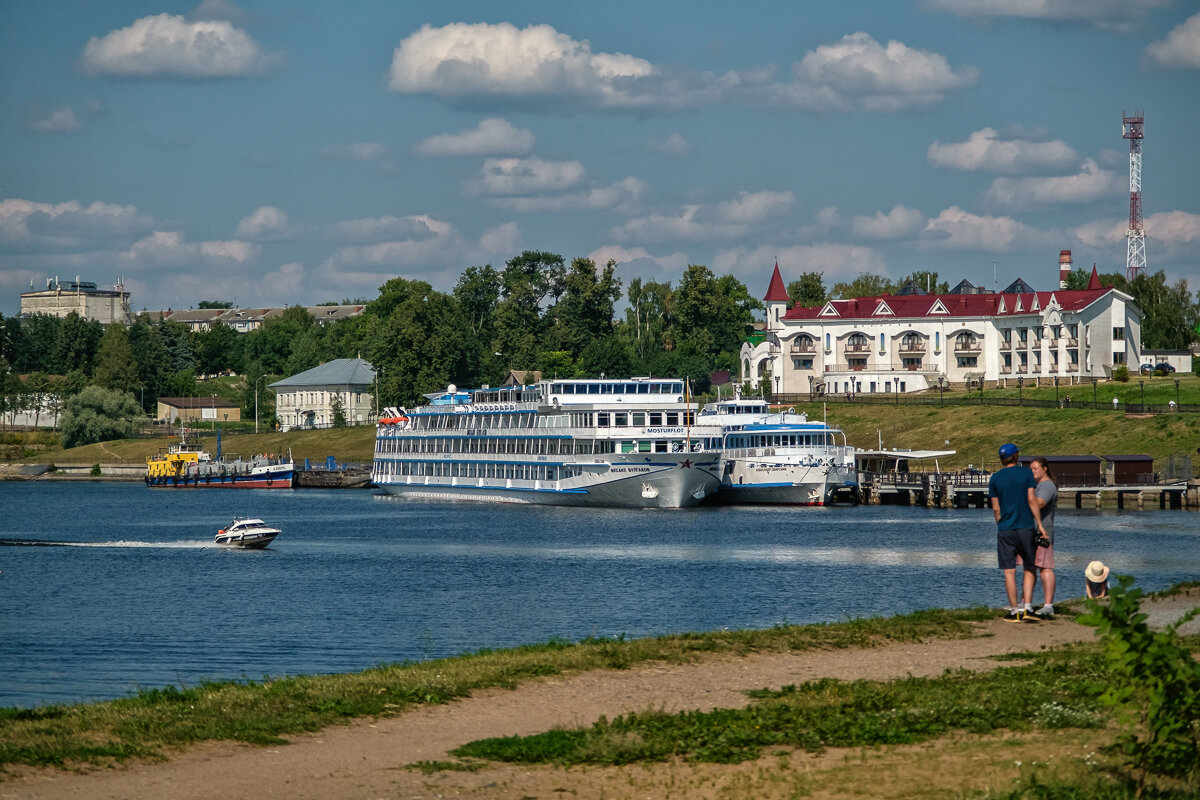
(858, 343)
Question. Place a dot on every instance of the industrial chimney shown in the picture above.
(1064, 268)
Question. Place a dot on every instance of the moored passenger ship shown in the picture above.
(585, 442)
(770, 458)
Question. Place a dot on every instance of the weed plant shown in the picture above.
(1154, 686)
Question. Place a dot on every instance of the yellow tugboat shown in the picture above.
(171, 465)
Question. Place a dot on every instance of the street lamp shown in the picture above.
(260, 377)
(1093, 391)
(1177, 392)
(214, 410)
(297, 419)
(1142, 385)
(810, 387)
(1055, 390)
(1020, 386)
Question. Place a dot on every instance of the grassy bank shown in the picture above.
(149, 724)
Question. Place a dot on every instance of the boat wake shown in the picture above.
(183, 545)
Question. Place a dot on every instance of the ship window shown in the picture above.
(621, 419)
(639, 419)
(643, 388)
(672, 417)
(602, 419)
(656, 418)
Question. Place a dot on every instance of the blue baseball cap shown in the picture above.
(1008, 450)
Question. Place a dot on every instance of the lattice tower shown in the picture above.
(1135, 238)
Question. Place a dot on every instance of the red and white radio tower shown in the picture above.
(1135, 238)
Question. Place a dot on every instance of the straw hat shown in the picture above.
(1096, 572)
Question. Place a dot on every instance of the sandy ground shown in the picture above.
(371, 759)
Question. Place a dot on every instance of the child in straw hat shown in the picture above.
(1096, 579)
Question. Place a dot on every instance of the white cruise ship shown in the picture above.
(594, 442)
(778, 458)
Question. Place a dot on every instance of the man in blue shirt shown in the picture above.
(1018, 515)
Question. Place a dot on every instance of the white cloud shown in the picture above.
(685, 226)
(356, 152)
(1099, 13)
(1181, 48)
(171, 248)
(752, 207)
(837, 261)
(466, 59)
(266, 222)
(492, 136)
(166, 46)
(621, 197)
(1090, 183)
(426, 248)
(474, 64)
(955, 229)
(60, 120)
(985, 151)
(901, 221)
(504, 239)
(882, 78)
(71, 224)
(1173, 229)
(383, 229)
(522, 176)
(287, 280)
(674, 145)
(637, 262)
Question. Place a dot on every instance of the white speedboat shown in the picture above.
(247, 533)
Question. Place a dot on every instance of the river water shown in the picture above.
(107, 587)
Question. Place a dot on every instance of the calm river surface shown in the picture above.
(107, 587)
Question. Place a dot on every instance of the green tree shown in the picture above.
(478, 292)
(585, 312)
(527, 281)
(924, 279)
(37, 389)
(153, 360)
(115, 365)
(1170, 311)
(98, 415)
(337, 410)
(648, 317)
(272, 343)
(217, 349)
(865, 285)
(77, 342)
(712, 317)
(1078, 279)
(606, 356)
(224, 304)
(808, 291)
(419, 347)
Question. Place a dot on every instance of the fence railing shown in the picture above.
(960, 399)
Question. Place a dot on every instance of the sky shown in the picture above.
(272, 152)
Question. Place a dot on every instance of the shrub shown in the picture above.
(1154, 686)
(1121, 373)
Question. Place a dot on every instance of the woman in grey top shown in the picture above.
(1046, 492)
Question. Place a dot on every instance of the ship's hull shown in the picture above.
(665, 483)
(281, 478)
(755, 482)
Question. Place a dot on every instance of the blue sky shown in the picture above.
(273, 153)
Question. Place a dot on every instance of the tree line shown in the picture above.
(537, 312)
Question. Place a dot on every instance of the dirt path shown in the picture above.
(369, 759)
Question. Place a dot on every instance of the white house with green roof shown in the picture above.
(307, 400)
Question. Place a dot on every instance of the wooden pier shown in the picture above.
(969, 490)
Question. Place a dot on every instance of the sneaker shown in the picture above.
(1012, 615)
(1029, 616)
(1046, 611)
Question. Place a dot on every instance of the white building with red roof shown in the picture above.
(913, 341)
